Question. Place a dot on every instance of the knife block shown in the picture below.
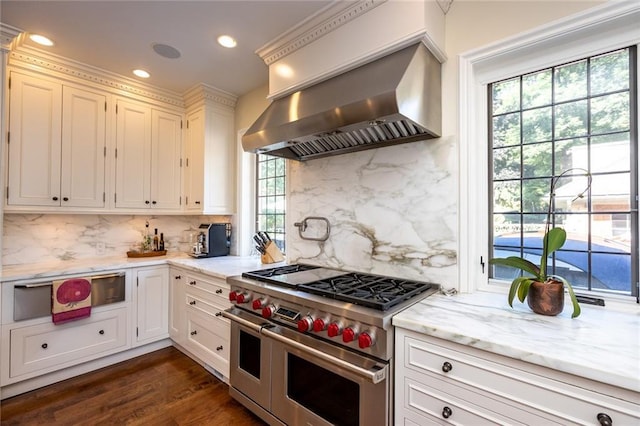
(272, 254)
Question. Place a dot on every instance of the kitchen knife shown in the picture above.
(259, 240)
(265, 237)
(260, 249)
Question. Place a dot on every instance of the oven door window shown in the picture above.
(249, 354)
(323, 392)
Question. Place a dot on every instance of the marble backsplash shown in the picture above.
(36, 238)
(392, 211)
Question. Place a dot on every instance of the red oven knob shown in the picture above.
(334, 329)
(232, 296)
(242, 298)
(257, 304)
(319, 325)
(365, 340)
(348, 335)
(305, 324)
(268, 311)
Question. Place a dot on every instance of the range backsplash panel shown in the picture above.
(392, 211)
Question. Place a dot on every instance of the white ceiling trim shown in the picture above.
(321, 23)
(201, 92)
(7, 34)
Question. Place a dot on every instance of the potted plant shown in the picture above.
(544, 292)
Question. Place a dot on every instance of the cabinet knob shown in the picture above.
(193, 302)
(101, 332)
(147, 202)
(194, 332)
(446, 367)
(219, 291)
(604, 419)
(197, 202)
(178, 277)
(153, 202)
(55, 198)
(192, 282)
(65, 198)
(446, 412)
(218, 314)
(45, 346)
(219, 348)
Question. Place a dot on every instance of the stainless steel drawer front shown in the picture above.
(34, 300)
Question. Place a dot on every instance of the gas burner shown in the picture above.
(279, 270)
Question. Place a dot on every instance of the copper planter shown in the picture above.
(546, 298)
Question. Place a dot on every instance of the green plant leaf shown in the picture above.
(514, 288)
(523, 289)
(518, 263)
(572, 295)
(552, 241)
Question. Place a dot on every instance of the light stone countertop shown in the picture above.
(220, 267)
(602, 344)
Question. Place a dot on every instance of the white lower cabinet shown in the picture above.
(206, 332)
(45, 347)
(440, 382)
(152, 303)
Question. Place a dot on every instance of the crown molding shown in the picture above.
(317, 25)
(30, 58)
(200, 93)
(7, 34)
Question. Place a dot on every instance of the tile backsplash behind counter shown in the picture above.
(42, 238)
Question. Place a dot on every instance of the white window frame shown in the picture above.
(597, 30)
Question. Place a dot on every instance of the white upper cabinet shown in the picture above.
(56, 144)
(148, 144)
(194, 161)
(219, 155)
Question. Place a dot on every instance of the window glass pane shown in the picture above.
(571, 153)
(571, 193)
(279, 186)
(535, 195)
(536, 125)
(506, 163)
(536, 159)
(536, 89)
(610, 72)
(506, 196)
(611, 272)
(611, 153)
(610, 113)
(506, 130)
(611, 232)
(572, 266)
(506, 225)
(571, 119)
(611, 192)
(271, 199)
(571, 81)
(506, 96)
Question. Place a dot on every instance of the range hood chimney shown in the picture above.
(392, 100)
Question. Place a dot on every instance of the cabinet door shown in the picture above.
(83, 148)
(166, 145)
(35, 117)
(177, 314)
(194, 161)
(133, 155)
(152, 302)
(219, 161)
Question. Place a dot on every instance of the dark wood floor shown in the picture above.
(162, 388)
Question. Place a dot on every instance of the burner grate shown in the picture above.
(277, 271)
(373, 291)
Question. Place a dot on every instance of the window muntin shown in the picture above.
(271, 197)
(576, 115)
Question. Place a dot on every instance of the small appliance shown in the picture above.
(212, 239)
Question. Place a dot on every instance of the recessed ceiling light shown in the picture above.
(40, 39)
(227, 41)
(142, 73)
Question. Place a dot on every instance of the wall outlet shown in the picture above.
(100, 248)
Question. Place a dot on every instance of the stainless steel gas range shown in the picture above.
(312, 345)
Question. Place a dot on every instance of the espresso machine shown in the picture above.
(211, 240)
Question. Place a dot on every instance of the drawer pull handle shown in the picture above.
(101, 332)
(446, 412)
(194, 332)
(219, 291)
(219, 348)
(55, 198)
(192, 282)
(178, 277)
(218, 314)
(45, 346)
(604, 419)
(193, 302)
(446, 367)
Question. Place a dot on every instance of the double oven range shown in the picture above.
(314, 346)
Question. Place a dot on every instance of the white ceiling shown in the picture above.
(117, 36)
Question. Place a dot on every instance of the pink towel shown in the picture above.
(71, 300)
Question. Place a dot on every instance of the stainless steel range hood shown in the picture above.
(395, 99)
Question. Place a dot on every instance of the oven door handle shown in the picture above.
(374, 376)
(249, 324)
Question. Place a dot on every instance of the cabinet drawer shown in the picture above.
(48, 346)
(214, 341)
(213, 309)
(437, 406)
(219, 290)
(544, 396)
